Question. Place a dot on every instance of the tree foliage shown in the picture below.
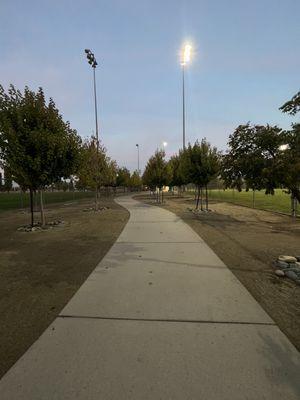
(199, 165)
(123, 177)
(177, 178)
(292, 106)
(36, 146)
(135, 181)
(252, 157)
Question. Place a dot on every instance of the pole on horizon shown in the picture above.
(138, 155)
(185, 59)
(92, 61)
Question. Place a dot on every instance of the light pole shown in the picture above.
(138, 155)
(92, 61)
(185, 59)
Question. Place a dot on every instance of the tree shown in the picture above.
(156, 174)
(96, 169)
(200, 164)
(123, 178)
(292, 106)
(36, 146)
(135, 181)
(288, 165)
(176, 176)
(8, 183)
(251, 160)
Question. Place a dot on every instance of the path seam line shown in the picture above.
(192, 321)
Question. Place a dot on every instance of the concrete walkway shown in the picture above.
(161, 317)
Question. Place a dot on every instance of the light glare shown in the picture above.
(283, 147)
(186, 53)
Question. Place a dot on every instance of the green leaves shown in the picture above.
(36, 145)
(292, 106)
(157, 173)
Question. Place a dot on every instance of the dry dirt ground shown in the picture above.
(248, 241)
(40, 271)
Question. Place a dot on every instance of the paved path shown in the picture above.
(161, 317)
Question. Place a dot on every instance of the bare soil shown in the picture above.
(247, 241)
(40, 271)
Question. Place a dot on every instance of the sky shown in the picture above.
(246, 64)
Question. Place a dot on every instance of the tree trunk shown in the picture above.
(293, 206)
(96, 199)
(43, 220)
(197, 198)
(31, 206)
(201, 202)
(206, 197)
(253, 198)
(162, 197)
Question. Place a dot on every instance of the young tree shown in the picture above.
(36, 146)
(135, 181)
(96, 169)
(109, 176)
(123, 178)
(176, 176)
(156, 174)
(92, 167)
(200, 164)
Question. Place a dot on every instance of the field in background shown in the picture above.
(279, 202)
(21, 200)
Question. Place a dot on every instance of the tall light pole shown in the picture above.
(138, 155)
(92, 61)
(185, 59)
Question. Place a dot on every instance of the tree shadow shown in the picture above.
(284, 360)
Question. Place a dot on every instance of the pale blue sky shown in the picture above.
(247, 64)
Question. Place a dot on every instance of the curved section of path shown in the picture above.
(161, 317)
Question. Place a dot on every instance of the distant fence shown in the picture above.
(279, 202)
(19, 200)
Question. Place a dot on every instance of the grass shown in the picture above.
(279, 202)
(18, 200)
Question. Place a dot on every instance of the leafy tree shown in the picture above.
(36, 146)
(288, 165)
(156, 174)
(135, 181)
(292, 106)
(251, 159)
(109, 176)
(200, 164)
(176, 176)
(123, 178)
(96, 169)
(8, 183)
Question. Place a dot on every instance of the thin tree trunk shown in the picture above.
(162, 197)
(253, 198)
(198, 197)
(201, 202)
(293, 206)
(31, 206)
(206, 197)
(96, 199)
(43, 220)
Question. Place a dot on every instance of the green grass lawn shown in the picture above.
(280, 201)
(21, 200)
